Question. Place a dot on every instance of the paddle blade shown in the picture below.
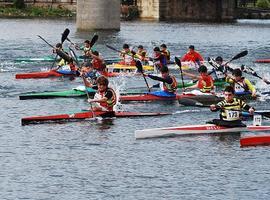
(93, 41)
(240, 55)
(139, 66)
(177, 61)
(63, 55)
(64, 35)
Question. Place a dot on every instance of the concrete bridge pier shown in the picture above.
(98, 14)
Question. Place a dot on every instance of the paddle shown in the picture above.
(93, 40)
(140, 69)
(46, 41)
(63, 38)
(112, 48)
(178, 62)
(249, 70)
(240, 55)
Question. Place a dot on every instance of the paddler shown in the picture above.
(205, 82)
(240, 84)
(230, 108)
(165, 52)
(159, 59)
(62, 62)
(86, 49)
(127, 55)
(141, 54)
(105, 97)
(168, 83)
(192, 55)
(98, 62)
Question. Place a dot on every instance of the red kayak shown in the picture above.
(255, 140)
(54, 73)
(85, 115)
(262, 61)
(45, 74)
(151, 97)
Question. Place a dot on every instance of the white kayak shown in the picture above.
(193, 130)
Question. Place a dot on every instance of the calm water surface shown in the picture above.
(101, 159)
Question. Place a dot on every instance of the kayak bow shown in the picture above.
(255, 140)
(193, 130)
(84, 115)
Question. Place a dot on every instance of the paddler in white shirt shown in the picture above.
(230, 108)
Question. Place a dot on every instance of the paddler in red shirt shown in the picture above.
(127, 55)
(105, 97)
(97, 62)
(205, 82)
(192, 55)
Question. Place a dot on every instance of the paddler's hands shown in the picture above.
(251, 110)
(90, 100)
(214, 107)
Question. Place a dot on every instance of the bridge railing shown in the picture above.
(42, 1)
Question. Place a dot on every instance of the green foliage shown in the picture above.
(263, 4)
(35, 12)
(19, 4)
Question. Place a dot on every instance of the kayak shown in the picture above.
(191, 83)
(73, 93)
(55, 73)
(193, 130)
(262, 61)
(42, 74)
(151, 97)
(85, 115)
(255, 140)
(51, 59)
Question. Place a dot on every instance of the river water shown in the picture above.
(100, 159)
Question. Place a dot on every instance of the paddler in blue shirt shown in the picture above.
(168, 83)
(230, 108)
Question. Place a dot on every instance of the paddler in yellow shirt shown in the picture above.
(240, 84)
(231, 108)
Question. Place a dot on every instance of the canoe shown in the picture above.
(54, 73)
(193, 130)
(51, 59)
(150, 97)
(262, 61)
(42, 74)
(73, 93)
(84, 116)
(191, 83)
(255, 140)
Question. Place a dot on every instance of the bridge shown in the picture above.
(104, 14)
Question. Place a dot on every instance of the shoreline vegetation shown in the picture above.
(10, 11)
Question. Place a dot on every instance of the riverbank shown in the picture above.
(33, 11)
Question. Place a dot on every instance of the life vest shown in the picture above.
(231, 111)
(98, 64)
(86, 49)
(170, 87)
(205, 83)
(128, 58)
(108, 105)
(240, 86)
(167, 54)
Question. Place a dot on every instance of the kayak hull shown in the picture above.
(83, 116)
(193, 130)
(255, 140)
(45, 74)
(262, 61)
(150, 97)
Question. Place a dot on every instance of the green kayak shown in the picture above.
(191, 83)
(73, 93)
(51, 59)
